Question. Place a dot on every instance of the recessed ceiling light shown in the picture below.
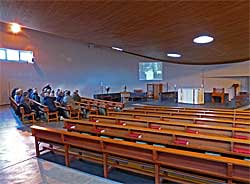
(15, 28)
(175, 55)
(116, 48)
(203, 39)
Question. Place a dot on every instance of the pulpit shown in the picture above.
(153, 90)
(218, 92)
(235, 86)
(125, 96)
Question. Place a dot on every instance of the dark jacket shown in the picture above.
(49, 101)
(35, 97)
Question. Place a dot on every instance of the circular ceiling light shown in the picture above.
(203, 39)
(15, 28)
(174, 55)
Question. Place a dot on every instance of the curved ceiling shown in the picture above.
(144, 28)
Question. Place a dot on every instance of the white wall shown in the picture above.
(72, 65)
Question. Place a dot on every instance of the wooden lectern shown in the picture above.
(235, 86)
(218, 92)
(153, 90)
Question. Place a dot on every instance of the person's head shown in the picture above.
(30, 90)
(60, 93)
(68, 93)
(46, 94)
(26, 98)
(25, 94)
(35, 91)
(18, 92)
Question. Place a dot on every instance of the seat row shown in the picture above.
(158, 162)
(190, 119)
(188, 139)
(245, 117)
(198, 110)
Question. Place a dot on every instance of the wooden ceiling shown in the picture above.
(145, 28)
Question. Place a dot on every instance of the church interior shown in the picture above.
(133, 92)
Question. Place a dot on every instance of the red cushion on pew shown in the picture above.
(241, 150)
(121, 123)
(98, 130)
(69, 126)
(181, 141)
(155, 127)
(241, 137)
(192, 131)
(135, 135)
(93, 120)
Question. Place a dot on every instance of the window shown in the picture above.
(2, 54)
(11, 55)
(26, 56)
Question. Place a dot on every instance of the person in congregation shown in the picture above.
(13, 93)
(68, 100)
(52, 94)
(35, 96)
(47, 87)
(49, 101)
(29, 106)
(58, 91)
(18, 96)
(42, 97)
(76, 97)
(30, 92)
(59, 97)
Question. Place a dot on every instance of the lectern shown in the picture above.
(235, 86)
(153, 90)
(218, 92)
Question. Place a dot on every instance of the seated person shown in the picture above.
(68, 100)
(46, 87)
(30, 92)
(52, 94)
(35, 96)
(58, 91)
(13, 93)
(49, 101)
(42, 97)
(27, 104)
(59, 97)
(76, 97)
(18, 96)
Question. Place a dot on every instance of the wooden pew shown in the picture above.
(161, 163)
(30, 116)
(214, 110)
(73, 114)
(50, 116)
(233, 113)
(243, 133)
(109, 104)
(219, 144)
(91, 107)
(190, 114)
(207, 121)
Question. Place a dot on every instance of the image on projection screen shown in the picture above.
(150, 71)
